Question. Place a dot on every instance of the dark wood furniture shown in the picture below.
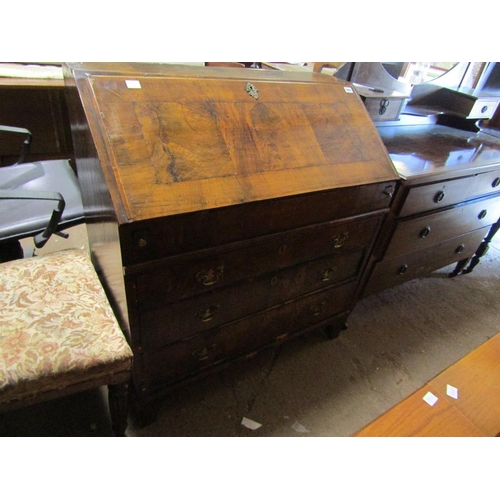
(229, 209)
(447, 202)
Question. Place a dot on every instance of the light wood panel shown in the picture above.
(476, 412)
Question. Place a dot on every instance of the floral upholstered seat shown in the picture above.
(58, 334)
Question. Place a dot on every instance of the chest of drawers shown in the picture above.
(228, 209)
(445, 206)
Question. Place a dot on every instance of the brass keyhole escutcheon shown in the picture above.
(282, 249)
(252, 90)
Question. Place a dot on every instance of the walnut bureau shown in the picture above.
(446, 205)
(228, 209)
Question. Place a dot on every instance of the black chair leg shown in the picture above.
(118, 407)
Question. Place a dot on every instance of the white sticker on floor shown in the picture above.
(430, 399)
(250, 424)
(452, 391)
(299, 427)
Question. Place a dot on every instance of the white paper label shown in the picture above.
(250, 424)
(430, 399)
(452, 391)
(133, 84)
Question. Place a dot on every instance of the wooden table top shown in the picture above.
(475, 413)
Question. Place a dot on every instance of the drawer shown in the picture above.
(485, 184)
(192, 355)
(181, 277)
(160, 238)
(192, 316)
(435, 196)
(383, 108)
(392, 272)
(483, 108)
(422, 232)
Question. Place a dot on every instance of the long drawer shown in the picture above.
(192, 355)
(416, 234)
(181, 277)
(192, 316)
(154, 239)
(392, 272)
(438, 195)
(485, 184)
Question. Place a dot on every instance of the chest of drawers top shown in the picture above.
(173, 140)
(432, 152)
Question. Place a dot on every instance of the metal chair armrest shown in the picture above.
(19, 194)
(26, 144)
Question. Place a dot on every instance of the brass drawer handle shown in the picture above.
(460, 248)
(205, 353)
(496, 182)
(425, 232)
(207, 314)
(388, 191)
(482, 214)
(211, 276)
(327, 274)
(339, 241)
(316, 309)
(439, 197)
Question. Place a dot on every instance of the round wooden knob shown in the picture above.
(439, 197)
(425, 232)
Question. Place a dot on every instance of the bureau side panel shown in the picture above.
(102, 227)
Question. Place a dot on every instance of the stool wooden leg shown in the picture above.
(118, 407)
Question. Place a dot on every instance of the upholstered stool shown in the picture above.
(58, 334)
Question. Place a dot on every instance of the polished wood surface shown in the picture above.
(476, 412)
(448, 197)
(415, 418)
(439, 151)
(31, 82)
(477, 378)
(179, 144)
